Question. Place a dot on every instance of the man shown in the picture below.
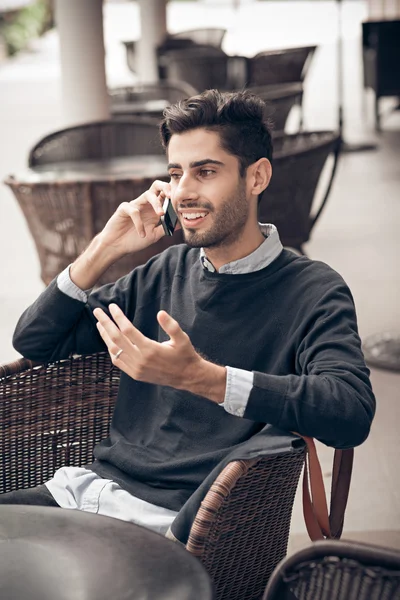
(214, 338)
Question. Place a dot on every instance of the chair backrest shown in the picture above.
(67, 408)
(203, 67)
(171, 91)
(241, 531)
(296, 169)
(212, 36)
(100, 139)
(280, 66)
(280, 100)
(333, 570)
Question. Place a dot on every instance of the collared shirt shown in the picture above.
(82, 489)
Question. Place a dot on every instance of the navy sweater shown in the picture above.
(292, 323)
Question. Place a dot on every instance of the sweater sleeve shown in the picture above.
(329, 395)
(57, 325)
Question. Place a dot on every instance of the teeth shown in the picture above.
(194, 215)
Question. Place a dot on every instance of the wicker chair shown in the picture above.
(297, 166)
(212, 36)
(203, 67)
(333, 570)
(280, 66)
(101, 139)
(52, 415)
(130, 100)
(288, 65)
(171, 91)
(206, 36)
(280, 100)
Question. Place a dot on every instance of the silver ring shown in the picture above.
(118, 353)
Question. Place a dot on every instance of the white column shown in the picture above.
(84, 88)
(153, 20)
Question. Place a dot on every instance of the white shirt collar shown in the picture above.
(263, 256)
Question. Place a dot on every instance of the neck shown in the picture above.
(250, 239)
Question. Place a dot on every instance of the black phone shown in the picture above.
(170, 218)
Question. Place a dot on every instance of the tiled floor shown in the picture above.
(357, 233)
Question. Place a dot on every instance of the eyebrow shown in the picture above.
(196, 163)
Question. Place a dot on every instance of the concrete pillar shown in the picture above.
(153, 19)
(84, 87)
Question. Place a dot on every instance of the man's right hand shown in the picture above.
(133, 227)
(136, 225)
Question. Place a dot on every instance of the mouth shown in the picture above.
(193, 218)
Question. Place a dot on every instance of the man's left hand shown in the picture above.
(173, 363)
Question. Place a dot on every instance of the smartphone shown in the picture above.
(169, 219)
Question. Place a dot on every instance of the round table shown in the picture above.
(59, 554)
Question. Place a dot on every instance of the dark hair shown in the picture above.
(238, 117)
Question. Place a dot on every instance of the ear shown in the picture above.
(259, 175)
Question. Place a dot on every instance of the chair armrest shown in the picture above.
(242, 526)
(52, 415)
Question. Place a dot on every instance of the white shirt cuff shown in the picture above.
(68, 287)
(239, 384)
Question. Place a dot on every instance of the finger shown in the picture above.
(115, 338)
(111, 346)
(156, 200)
(159, 187)
(171, 327)
(134, 213)
(127, 328)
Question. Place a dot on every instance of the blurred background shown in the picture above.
(328, 70)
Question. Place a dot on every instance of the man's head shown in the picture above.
(238, 117)
(219, 150)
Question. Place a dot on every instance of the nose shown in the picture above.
(185, 190)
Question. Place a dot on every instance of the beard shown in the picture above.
(229, 221)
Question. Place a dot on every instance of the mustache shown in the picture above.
(205, 206)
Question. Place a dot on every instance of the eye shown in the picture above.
(206, 172)
(175, 176)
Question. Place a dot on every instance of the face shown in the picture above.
(207, 192)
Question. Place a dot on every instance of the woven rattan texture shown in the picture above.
(334, 578)
(171, 91)
(280, 66)
(288, 201)
(64, 217)
(245, 524)
(52, 416)
(98, 140)
(203, 67)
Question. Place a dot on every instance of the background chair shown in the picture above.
(203, 67)
(212, 36)
(98, 140)
(52, 415)
(333, 570)
(204, 36)
(148, 98)
(171, 91)
(280, 66)
(297, 166)
(287, 65)
(280, 99)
